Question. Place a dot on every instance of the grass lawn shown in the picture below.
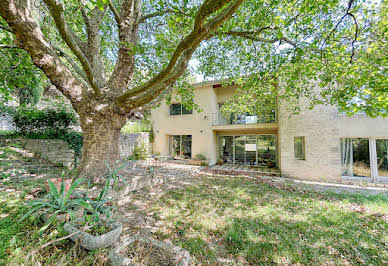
(219, 220)
(246, 222)
(19, 241)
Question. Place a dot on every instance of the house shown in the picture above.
(319, 144)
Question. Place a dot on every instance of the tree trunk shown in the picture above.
(101, 135)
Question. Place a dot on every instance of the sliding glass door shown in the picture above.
(180, 146)
(255, 150)
(382, 157)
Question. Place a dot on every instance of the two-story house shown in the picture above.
(318, 144)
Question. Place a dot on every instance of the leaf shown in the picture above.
(54, 192)
(49, 222)
(73, 186)
(31, 211)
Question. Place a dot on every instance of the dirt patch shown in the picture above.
(148, 254)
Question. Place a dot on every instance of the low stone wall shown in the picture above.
(55, 151)
(58, 152)
(6, 122)
(129, 141)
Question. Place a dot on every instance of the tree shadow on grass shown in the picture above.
(265, 224)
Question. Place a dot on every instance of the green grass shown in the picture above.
(20, 241)
(137, 127)
(254, 223)
(235, 219)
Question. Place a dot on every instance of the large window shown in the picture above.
(179, 109)
(382, 157)
(299, 148)
(355, 157)
(180, 146)
(255, 150)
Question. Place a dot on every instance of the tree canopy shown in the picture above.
(111, 58)
(339, 45)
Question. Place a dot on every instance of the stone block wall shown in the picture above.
(129, 141)
(53, 150)
(320, 128)
(6, 122)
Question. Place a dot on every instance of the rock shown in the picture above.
(90, 242)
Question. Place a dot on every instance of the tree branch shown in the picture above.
(115, 12)
(348, 13)
(93, 47)
(29, 36)
(252, 35)
(148, 91)
(130, 13)
(73, 64)
(56, 10)
(9, 46)
(160, 13)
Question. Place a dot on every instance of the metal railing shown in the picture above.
(218, 119)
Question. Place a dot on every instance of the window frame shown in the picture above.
(181, 109)
(303, 143)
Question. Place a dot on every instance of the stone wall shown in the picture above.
(129, 141)
(55, 151)
(6, 122)
(320, 128)
(58, 152)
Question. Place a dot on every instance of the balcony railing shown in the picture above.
(219, 119)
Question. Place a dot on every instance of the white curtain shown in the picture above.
(347, 157)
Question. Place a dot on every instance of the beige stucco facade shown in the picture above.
(321, 127)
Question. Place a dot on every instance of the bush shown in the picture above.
(140, 152)
(53, 120)
(203, 163)
(49, 123)
(200, 157)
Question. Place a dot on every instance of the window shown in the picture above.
(299, 148)
(355, 157)
(382, 157)
(179, 109)
(180, 146)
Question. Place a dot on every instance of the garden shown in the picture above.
(212, 219)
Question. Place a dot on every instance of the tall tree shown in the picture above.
(111, 58)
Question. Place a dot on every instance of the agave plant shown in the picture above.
(100, 204)
(113, 174)
(58, 202)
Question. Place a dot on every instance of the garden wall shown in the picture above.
(58, 151)
(129, 141)
(55, 151)
(6, 122)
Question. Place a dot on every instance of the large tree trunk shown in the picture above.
(101, 134)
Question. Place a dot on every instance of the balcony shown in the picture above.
(245, 123)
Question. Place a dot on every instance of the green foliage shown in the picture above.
(200, 157)
(32, 120)
(203, 163)
(137, 127)
(57, 202)
(49, 123)
(140, 152)
(113, 176)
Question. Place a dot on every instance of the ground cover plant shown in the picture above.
(219, 219)
(254, 223)
(23, 241)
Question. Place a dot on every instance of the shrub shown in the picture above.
(200, 157)
(54, 120)
(58, 202)
(203, 163)
(140, 152)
